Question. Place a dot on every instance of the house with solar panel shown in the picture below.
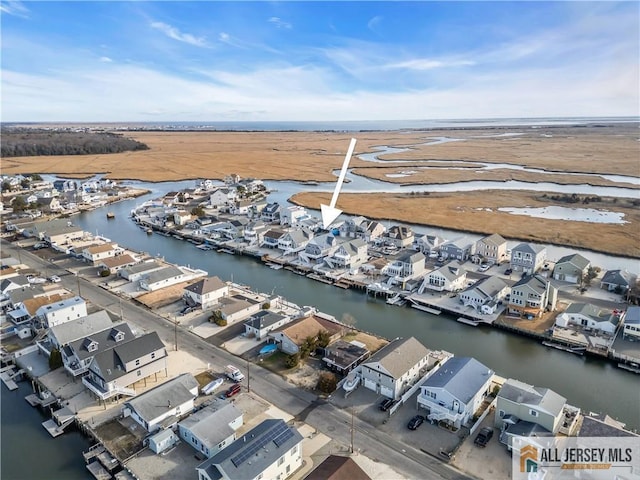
(270, 450)
(211, 429)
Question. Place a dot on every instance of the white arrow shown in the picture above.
(330, 212)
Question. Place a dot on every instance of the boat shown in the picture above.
(211, 387)
(111, 215)
(149, 231)
(271, 347)
(274, 266)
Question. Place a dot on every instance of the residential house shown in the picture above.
(455, 391)
(590, 317)
(429, 245)
(406, 264)
(136, 272)
(342, 357)
(272, 237)
(618, 281)
(631, 329)
(211, 429)
(60, 235)
(63, 334)
(182, 217)
(352, 227)
(254, 232)
(393, 369)
(271, 213)
(23, 305)
(77, 355)
(62, 311)
(528, 258)
(15, 282)
(48, 204)
(117, 263)
(531, 296)
(241, 207)
(400, 236)
(319, 248)
(222, 197)
(519, 406)
(162, 406)
(234, 228)
(599, 425)
(459, 249)
(260, 324)
(271, 450)
(113, 371)
(491, 249)
(450, 277)
(571, 268)
(164, 277)
(95, 253)
(350, 254)
(238, 307)
(206, 292)
(294, 240)
(292, 336)
(65, 185)
(292, 215)
(372, 230)
(336, 467)
(485, 294)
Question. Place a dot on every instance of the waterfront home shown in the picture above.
(590, 317)
(292, 215)
(238, 307)
(60, 235)
(602, 425)
(254, 232)
(393, 369)
(65, 185)
(450, 278)
(211, 429)
(96, 252)
(491, 249)
(348, 255)
(48, 204)
(271, 237)
(136, 272)
(162, 406)
(523, 409)
(22, 312)
(292, 336)
(528, 258)
(617, 281)
(14, 282)
(233, 228)
(631, 329)
(571, 268)
(63, 334)
(206, 292)
(182, 217)
(241, 207)
(531, 296)
(294, 240)
(115, 264)
(114, 371)
(485, 294)
(459, 249)
(372, 230)
(164, 277)
(271, 450)
(77, 355)
(429, 245)
(342, 357)
(404, 265)
(14, 298)
(455, 391)
(351, 227)
(222, 197)
(271, 213)
(318, 248)
(60, 312)
(260, 324)
(399, 236)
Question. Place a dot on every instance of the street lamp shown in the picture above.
(175, 331)
(78, 282)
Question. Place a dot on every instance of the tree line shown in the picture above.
(26, 142)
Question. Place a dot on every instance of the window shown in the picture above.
(138, 363)
(281, 460)
(288, 469)
(533, 413)
(294, 450)
(139, 373)
(501, 413)
(153, 355)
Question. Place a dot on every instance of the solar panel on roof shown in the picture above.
(254, 447)
(283, 437)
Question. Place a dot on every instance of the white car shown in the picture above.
(484, 268)
(37, 280)
(54, 279)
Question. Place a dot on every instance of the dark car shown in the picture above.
(483, 437)
(233, 390)
(386, 404)
(415, 422)
(508, 271)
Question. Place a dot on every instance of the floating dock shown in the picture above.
(426, 309)
(7, 377)
(61, 419)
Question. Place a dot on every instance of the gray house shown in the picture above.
(405, 264)
(617, 280)
(531, 296)
(459, 249)
(261, 323)
(528, 258)
(571, 268)
(211, 429)
(484, 293)
(455, 392)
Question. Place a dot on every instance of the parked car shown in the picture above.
(484, 267)
(36, 280)
(54, 279)
(508, 271)
(386, 404)
(483, 437)
(415, 422)
(39, 245)
(233, 390)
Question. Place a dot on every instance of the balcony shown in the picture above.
(106, 394)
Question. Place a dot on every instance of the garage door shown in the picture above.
(370, 384)
(386, 391)
(571, 278)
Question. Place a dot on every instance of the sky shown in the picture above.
(161, 61)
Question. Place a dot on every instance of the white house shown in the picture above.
(455, 391)
(164, 277)
(211, 429)
(206, 292)
(222, 196)
(181, 217)
(318, 248)
(291, 215)
(254, 232)
(589, 316)
(405, 264)
(95, 253)
(430, 244)
(632, 324)
(492, 249)
(263, 322)
(294, 240)
(450, 277)
(271, 450)
(136, 272)
(393, 369)
(61, 312)
(349, 254)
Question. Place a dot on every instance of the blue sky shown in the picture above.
(317, 61)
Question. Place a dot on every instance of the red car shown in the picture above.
(233, 390)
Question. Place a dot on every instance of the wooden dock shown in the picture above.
(98, 471)
(7, 378)
(61, 419)
(466, 321)
(426, 309)
(318, 278)
(37, 401)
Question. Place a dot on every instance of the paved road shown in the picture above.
(323, 416)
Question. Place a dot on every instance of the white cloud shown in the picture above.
(374, 22)
(14, 7)
(173, 32)
(279, 23)
(428, 64)
(106, 60)
(224, 37)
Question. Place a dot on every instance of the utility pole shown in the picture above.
(248, 376)
(351, 429)
(78, 281)
(121, 313)
(175, 331)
